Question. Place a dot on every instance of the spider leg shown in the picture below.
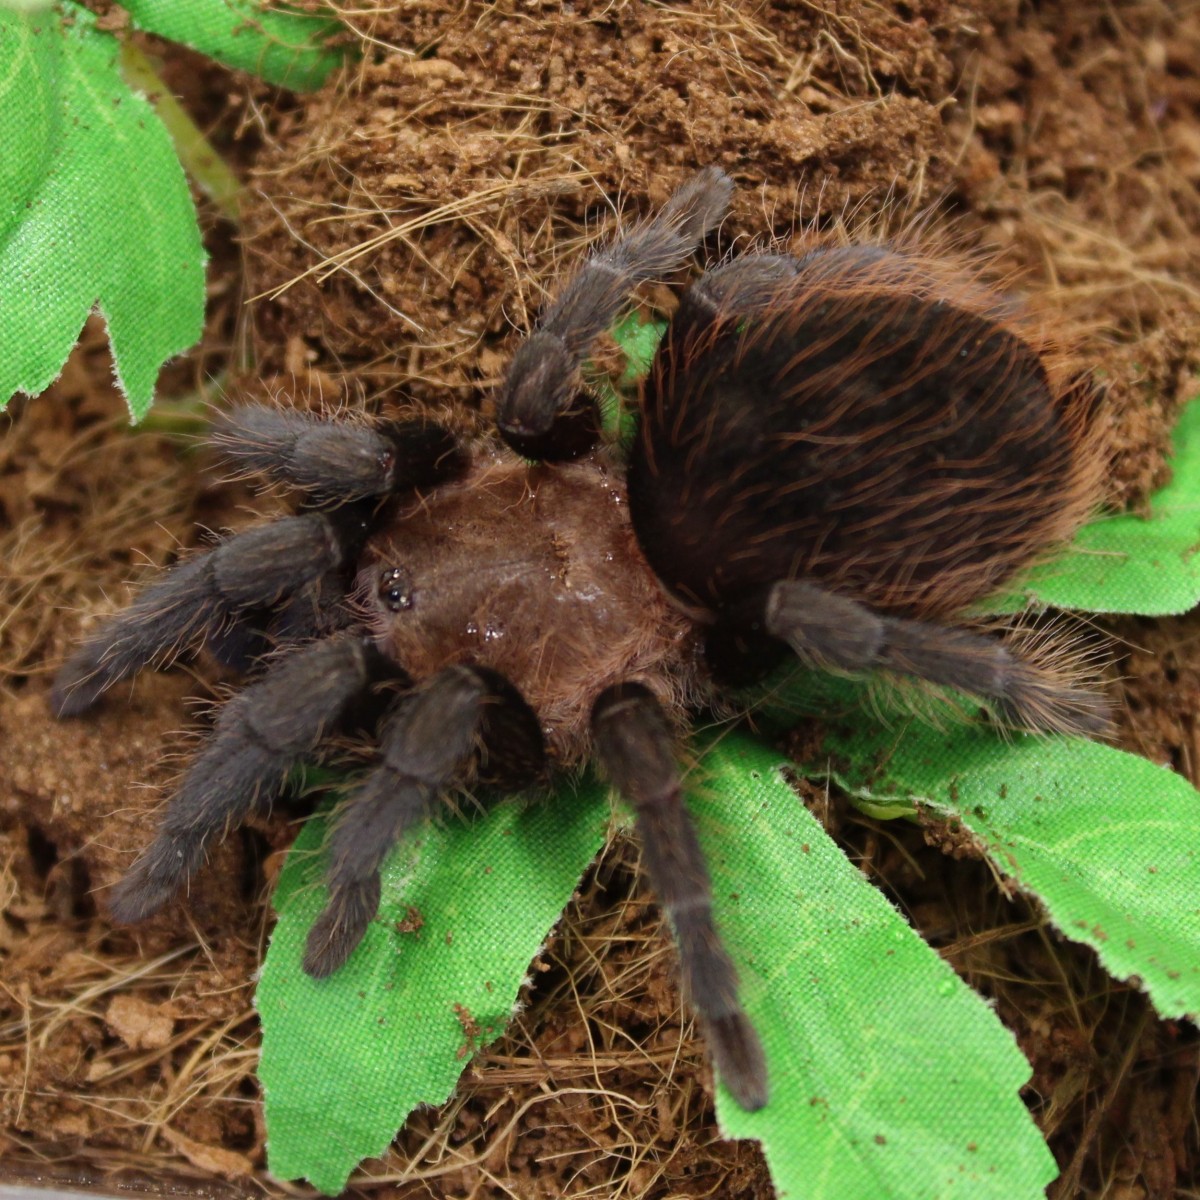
(334, 460)
(538, 410)
(260, 736)
(754, 282)
(743, 285)
(635, 745)
(240, 643)
(316, 610)
(254, 569)
(428, 741)
(833, 632)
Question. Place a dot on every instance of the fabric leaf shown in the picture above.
(466, 905)
(1124, 563)
(637, 339)
(868, 1105)
(99, 215)
(1106, 841)
(890, 1078)
(279, 45)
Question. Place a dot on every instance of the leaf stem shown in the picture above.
(187, 417)
(202, 163)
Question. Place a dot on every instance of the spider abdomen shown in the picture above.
(904, 449)
(532, 571)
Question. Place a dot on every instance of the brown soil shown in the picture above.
(406, 224)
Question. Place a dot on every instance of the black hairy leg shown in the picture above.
(252, 570)
(315, 610)
(540, 411)
(261, 735)
(428, 743)
(635, 746)
(831, 632)
(754, 283)
(336, 460)
(747, 283)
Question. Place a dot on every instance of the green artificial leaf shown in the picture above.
(863, 1103)
(206, 169)
(30, 117)
(281, 45)
(1106, 841)
(346, 1059)
(889, 1076)
(638, 340)
(96, 212)
(1123, 563)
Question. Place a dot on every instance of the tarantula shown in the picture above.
(836, 454)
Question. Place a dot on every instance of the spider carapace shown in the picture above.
(836, 454)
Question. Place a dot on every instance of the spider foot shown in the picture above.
(340, 927)
(828, 631)
(260, 736)
(540, 410)
(151, 881)
(258, 568)
(738, 1057)
(335, 461)
(635, 745)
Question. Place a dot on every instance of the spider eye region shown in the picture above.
(395, 589)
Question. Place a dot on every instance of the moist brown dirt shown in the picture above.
(405, 225)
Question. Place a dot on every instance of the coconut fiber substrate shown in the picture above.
(400, 229)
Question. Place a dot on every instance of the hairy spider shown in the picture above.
(836, 454)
